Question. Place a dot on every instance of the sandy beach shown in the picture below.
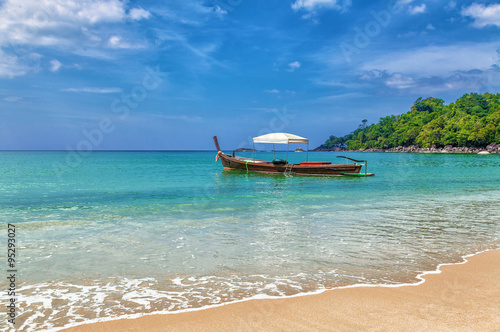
(463, 297)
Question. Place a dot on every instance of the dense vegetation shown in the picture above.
(471, 121)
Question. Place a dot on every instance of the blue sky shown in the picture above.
(109, 74)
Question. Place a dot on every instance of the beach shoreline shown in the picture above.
(463, 295)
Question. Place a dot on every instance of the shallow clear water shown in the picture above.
(117, 233)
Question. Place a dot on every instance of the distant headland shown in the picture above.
(469, 125)
(244, 150)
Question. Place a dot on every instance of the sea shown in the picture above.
(112, 234)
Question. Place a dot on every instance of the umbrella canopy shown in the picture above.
(281, 138)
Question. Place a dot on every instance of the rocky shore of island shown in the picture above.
(491, 148)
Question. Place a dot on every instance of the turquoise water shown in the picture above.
(124, 233)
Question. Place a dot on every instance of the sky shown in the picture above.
(168, 75)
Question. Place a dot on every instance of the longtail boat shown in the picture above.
(279, 166)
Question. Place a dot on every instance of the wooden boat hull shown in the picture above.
(262, 166)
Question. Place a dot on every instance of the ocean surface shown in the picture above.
(113, 234)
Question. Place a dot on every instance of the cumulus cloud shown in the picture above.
(483, 15)
(9, 66)
(219, 12)
(118, 42)
(293, 65)
(400, 81)
(94, 11)
(312, 6)
(12, 65)
(80, 27)
(52, 22)
(139, 14)
(55, 65)
(417, 9)
(412, 10)
(115, 41)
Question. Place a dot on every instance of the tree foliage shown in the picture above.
(473, 121)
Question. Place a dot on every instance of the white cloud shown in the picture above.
(60, 23)
(114, 41)
(313, 5)
(94, 90)
(293, 65)
(483, 15)
(430, 27)
(79, 27)
(436, 60)
(412, 10)
(400, 81)
(19, 64)
(472, 80)
(55, 65)
(96, 11)
(219, 11)
(24, 19)
(13, 99)
(118, 42)
(139, 14)
(417, 9)
(192, 12)
(272, 91)
(9, 66)
(403, 2)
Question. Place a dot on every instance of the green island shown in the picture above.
(470, 124)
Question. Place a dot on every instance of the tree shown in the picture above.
(472, 120)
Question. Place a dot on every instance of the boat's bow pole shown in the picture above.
(356, 161)
(219, 152)
(217, 144)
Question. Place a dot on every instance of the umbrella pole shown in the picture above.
(307, 153)
(287, 150)
(274, 152)
(253, 151)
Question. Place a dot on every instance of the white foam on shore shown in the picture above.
(420, 277)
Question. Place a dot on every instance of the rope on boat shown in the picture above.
(246, 164)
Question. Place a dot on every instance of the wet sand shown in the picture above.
(464, 297)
